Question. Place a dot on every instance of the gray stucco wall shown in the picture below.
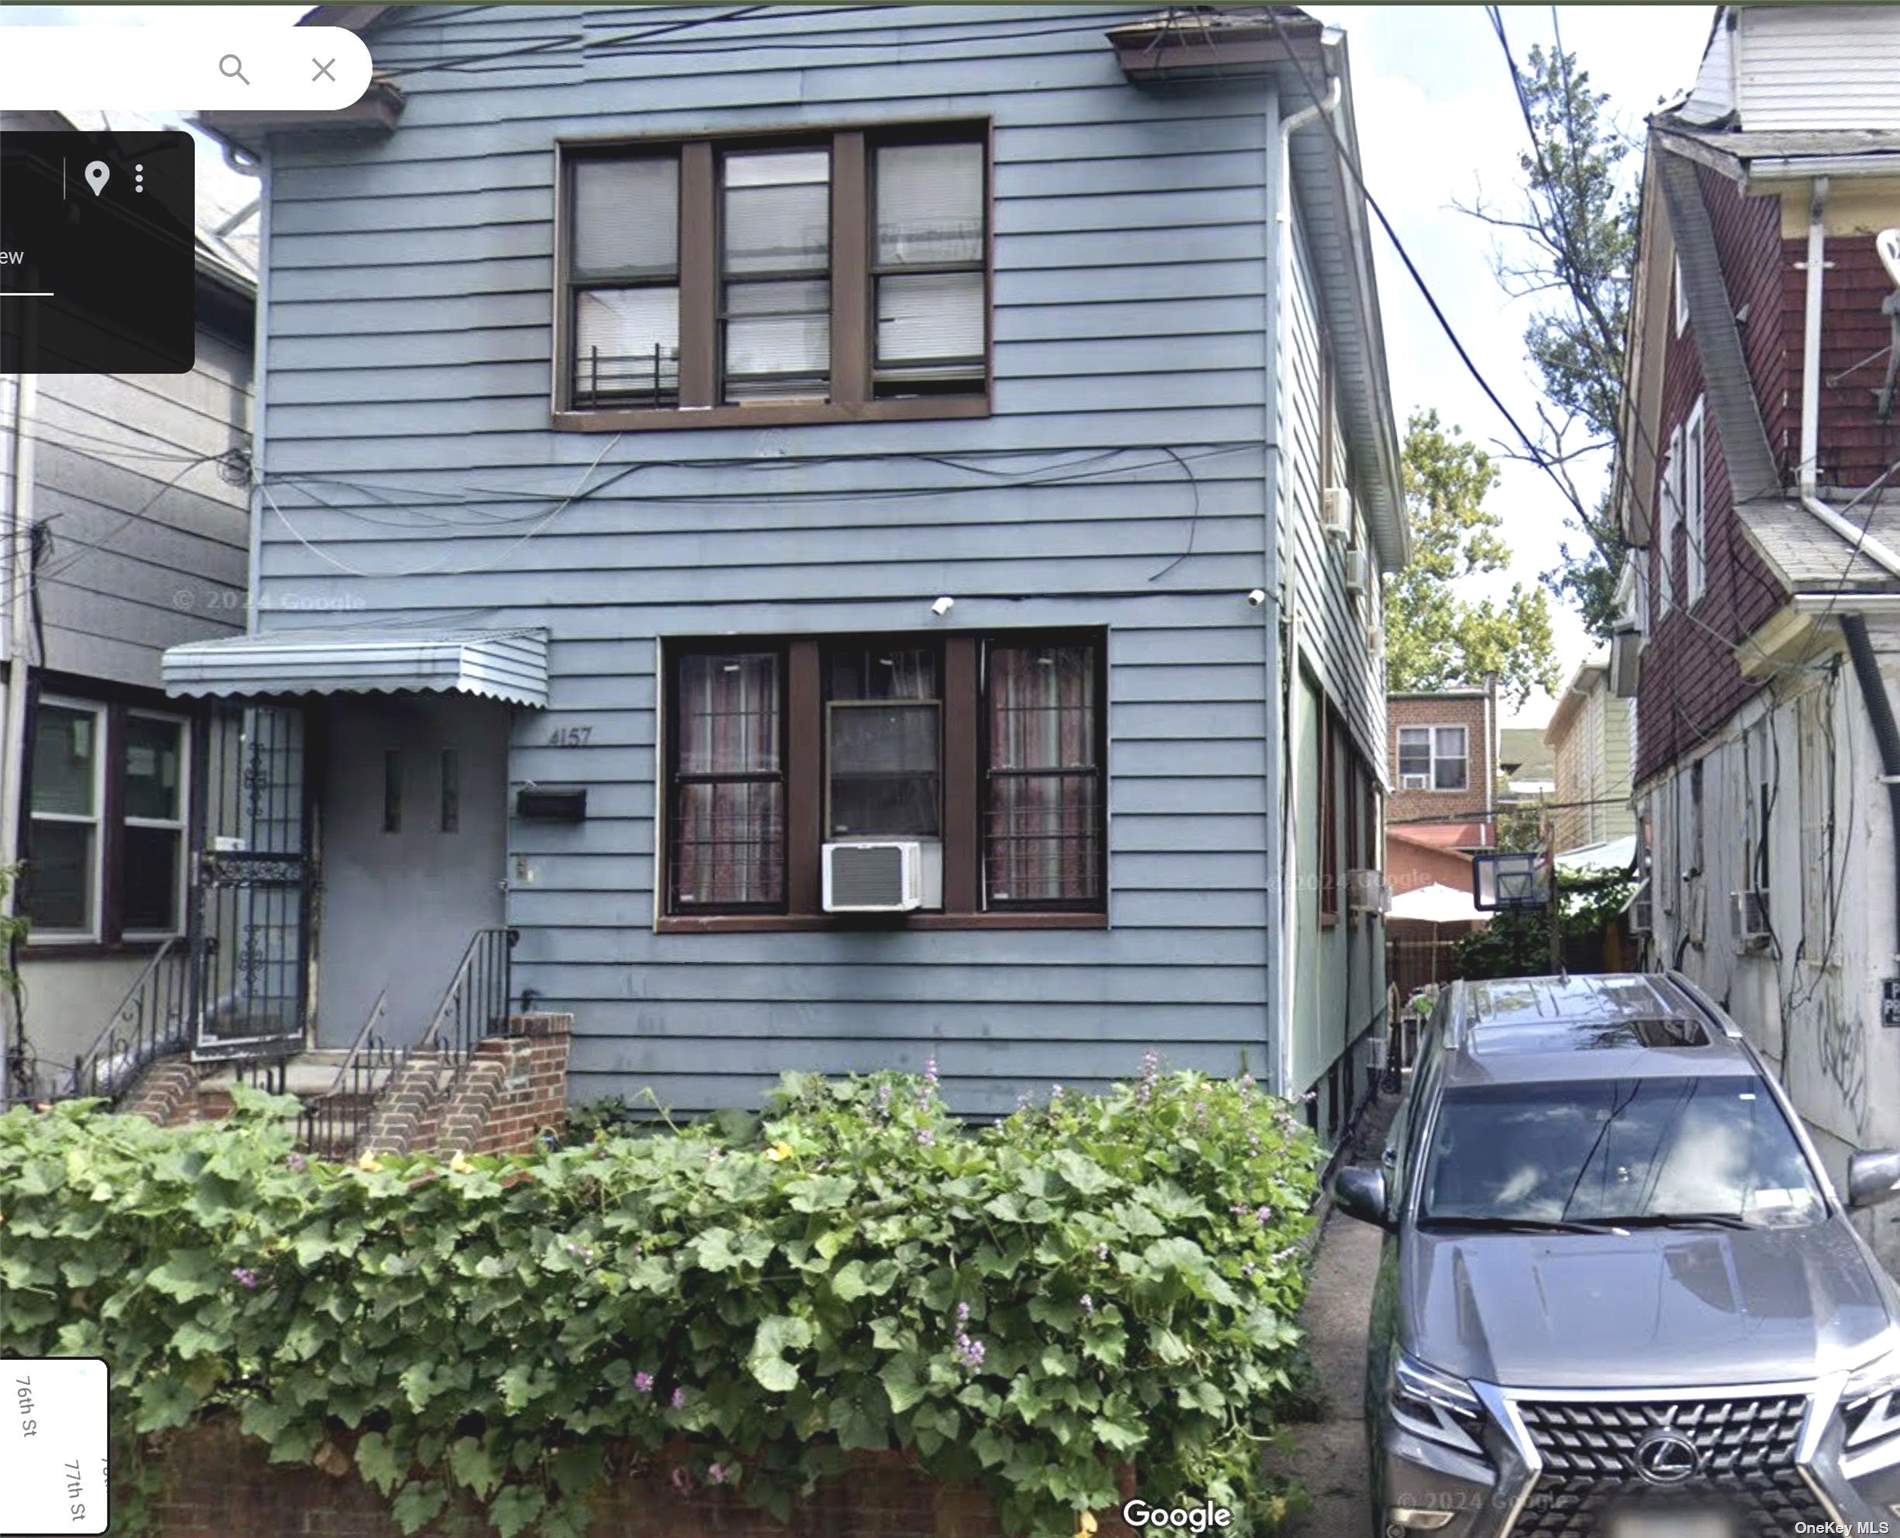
(407, 438)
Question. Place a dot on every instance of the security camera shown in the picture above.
(1256, 598)
(943, 606)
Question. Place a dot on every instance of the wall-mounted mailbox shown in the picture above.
(546, 805)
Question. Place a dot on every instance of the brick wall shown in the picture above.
(217, 1484)
(1440, 710)
(163, 1091)
(1691, 681)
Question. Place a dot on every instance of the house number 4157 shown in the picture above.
(570, 736)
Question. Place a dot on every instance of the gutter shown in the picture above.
(19, 632)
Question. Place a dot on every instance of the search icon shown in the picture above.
(232, 68)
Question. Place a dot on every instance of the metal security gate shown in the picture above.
(250, 909)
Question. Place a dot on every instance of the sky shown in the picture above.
(1438, 123)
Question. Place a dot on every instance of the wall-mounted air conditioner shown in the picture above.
(1626, 653)
(1358, 570)
(1366, 891)
(1335, 512)
(1642, 912)
(1748, 919)
(882, 876)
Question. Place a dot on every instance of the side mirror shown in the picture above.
(1873, 1177)
(1360, 1193)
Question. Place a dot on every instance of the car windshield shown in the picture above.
(1599, 1151)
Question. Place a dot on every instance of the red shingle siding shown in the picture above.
(1691, 681)
(1856, 446)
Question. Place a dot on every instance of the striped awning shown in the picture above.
(510, 665)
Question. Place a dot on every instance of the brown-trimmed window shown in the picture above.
(788, 278)
(990, 751)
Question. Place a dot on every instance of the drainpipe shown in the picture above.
(1808, 473)
(1281, 611)
(19, 524)
(1873, 693)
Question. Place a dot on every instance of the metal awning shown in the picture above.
(510, 665)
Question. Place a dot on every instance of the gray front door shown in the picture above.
(414, 817)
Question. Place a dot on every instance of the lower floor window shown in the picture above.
(988, 751)
(107, 809)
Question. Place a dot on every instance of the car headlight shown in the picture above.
(1870, 1404)
(1435, 1405)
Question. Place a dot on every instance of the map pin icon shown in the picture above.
(97, 174)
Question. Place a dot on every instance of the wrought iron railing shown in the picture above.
(334, 1122)
(151, 1021)
(476, 1002)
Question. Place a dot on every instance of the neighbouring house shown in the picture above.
(1527, 775)
(1589, 740)
(1762, 621)
(125, 503)
(1443, 750)
(820, 541)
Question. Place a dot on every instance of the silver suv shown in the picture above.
(1617, 1295)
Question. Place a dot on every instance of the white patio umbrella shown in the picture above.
(1436, 904)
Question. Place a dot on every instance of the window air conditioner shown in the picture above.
(1356, 571)
(1415, 782)
(884, 876)
(1335, 512)
(1748, 918)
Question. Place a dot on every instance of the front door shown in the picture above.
(249, 909)
(415, 833)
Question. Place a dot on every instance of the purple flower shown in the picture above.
(1200, 1110)
(1310, 1096)
(969, 1352)
(884, 1098)
(925, 1136)
(1055, 1093)
(1263, 1215)
(643, 1383)
(296, 1162)
(245, 1277)
(682, 1481)
(717, 1473)
(1088, 1303)
(963, 1313)
(1101, 1252)
(679, 1399)
(1150, 1072)
(1239, 1209)
(930, 1071)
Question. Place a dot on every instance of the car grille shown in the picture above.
(1747, 1468)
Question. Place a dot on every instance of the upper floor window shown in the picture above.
(1433, 758)
(1694, 512)
(808, 278)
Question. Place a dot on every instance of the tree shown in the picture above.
(1574, 252)
(1436, 639)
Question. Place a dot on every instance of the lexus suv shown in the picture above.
(1617, 1294)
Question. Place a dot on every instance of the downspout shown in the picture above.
(18, 637)
(1279, 615)
(1807, 474)
(1873, 693)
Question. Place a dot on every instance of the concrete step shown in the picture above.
(311, 1075)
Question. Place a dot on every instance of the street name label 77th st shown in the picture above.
(97, 248)
(53, 1446)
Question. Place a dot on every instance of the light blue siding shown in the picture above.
(412, 475)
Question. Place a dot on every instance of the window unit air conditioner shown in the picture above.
(882, 876)
(1415, 782)
(1366, 891)
(1356, 571)
(1748, 919)
(1335, 513)
(1642, 912)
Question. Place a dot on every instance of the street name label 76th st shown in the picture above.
(97, 244)
(53, 1446)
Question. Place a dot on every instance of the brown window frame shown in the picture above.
(964, 776)
(851, 395)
